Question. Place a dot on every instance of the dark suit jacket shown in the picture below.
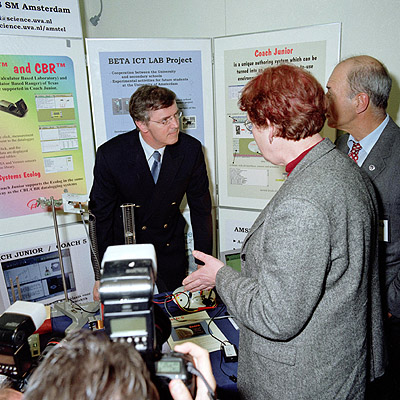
(122, 175)
(383, 167)
(308, 299)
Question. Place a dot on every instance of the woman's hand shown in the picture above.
(205, 276)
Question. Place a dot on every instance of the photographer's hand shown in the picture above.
(7, 393)
(202, 362)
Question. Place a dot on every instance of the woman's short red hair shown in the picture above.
(289, 98)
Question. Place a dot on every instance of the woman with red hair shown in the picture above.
(307, 298)
(287, 97)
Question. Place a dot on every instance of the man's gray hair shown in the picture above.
(370, 76)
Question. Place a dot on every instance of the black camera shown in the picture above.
(126, 292)
(17, 323)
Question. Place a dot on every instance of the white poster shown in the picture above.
(245, 179)
(34, 273)
(234, 226)
(40, 18)
(117, 67)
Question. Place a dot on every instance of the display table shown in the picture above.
(226, 388)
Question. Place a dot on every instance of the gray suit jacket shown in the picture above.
(307, 299)
(383, 167)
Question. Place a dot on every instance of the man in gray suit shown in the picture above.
(307, 298)
(358, 92)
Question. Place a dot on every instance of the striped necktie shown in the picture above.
(155, 168)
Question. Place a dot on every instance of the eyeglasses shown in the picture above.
(248, 125)
(168, 120)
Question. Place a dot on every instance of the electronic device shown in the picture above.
(231, 258)
(74, 203)
(194, 301)
(229, 352)
(126, 292)
(17, 323)
(175, 366)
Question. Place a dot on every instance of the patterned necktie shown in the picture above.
(155, 168)
(354, 151)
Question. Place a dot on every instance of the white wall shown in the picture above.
(368, 26)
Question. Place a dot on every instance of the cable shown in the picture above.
(171, 297)
(93, 246)
(212, 320)
(167, 299)
(233, 378)
(175, 297)
(208, 302)
(95, 19)
(164, 301)
(192, 369)
(86, 311)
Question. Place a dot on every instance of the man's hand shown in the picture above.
(204, 277)
(96, 294)
(202, 363)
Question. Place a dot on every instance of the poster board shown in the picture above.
(30, 260)
(234, 226)
(48, 147)
(245, 179)
(43, 18)
(117, 67)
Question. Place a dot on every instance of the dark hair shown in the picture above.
(149, 98)
(287, 97)
(88, 366)
(370, 76)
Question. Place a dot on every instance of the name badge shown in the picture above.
(383, 234)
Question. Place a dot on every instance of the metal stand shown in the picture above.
(128, 218)
(79, 315)
(53, 210)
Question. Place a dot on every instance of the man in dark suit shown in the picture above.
(123, 173)
(358, 92)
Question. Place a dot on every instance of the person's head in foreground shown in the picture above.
(88, 366)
